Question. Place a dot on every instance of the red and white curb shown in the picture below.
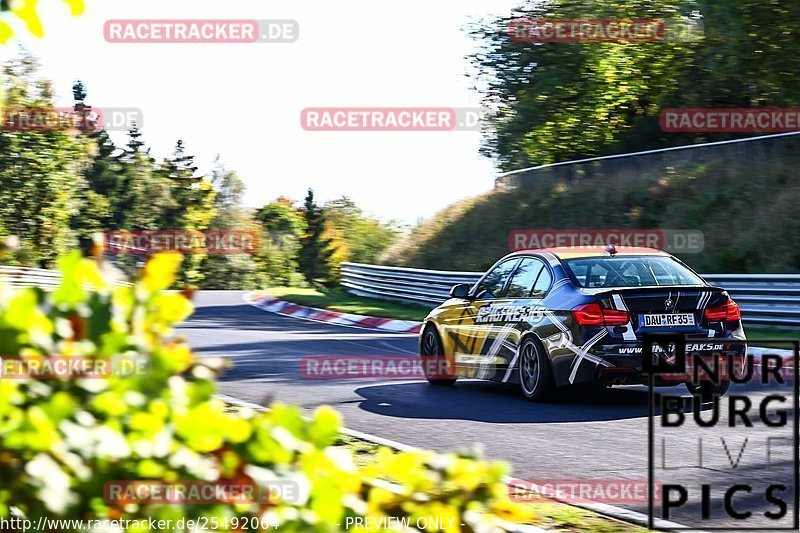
(265, 302)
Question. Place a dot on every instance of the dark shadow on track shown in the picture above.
(500, 403)
(503, 404)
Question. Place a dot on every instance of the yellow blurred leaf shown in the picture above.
(172, 308)
(159, 273)
(76, 7)
(5, 32)
(26, 10)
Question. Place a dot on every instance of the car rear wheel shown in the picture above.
(708, 389)
(535, 374)
(433, 359)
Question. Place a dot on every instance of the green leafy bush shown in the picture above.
(63, 439)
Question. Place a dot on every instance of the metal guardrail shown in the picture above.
(404, 284)
(650, 152)
(765, 299)
(14, 276)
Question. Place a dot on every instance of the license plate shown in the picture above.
(669, 321)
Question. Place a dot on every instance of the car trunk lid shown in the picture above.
(678, 309)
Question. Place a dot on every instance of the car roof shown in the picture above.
(571, 252)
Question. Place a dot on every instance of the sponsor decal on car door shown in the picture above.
(466, 326)
(507, 318)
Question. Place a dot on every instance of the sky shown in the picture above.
(244, 101)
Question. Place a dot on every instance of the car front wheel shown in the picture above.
(433, 359)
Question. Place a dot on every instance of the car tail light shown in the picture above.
(615, 318)
(594, 315)
(727, 313)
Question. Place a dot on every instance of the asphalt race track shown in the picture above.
(589, 435)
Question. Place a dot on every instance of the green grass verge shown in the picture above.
(557, 516)
(363, 451)
(755, 333)
(339, 300)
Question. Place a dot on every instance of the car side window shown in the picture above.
(542, 284)
(524, 278)
(495, 280)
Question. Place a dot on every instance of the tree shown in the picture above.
(134, 144)
(193, 196)
(145, 201)
(99, 180)
(559, 101)
(283, 229)
(229, 271)
(229, 190)
(315, 250)
(40, 171)
(364, 238)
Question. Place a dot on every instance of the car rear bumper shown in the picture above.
(622, 363)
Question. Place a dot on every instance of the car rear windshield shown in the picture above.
(630, 271)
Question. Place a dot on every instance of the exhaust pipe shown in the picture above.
(626, 381)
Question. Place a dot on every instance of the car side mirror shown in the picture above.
(460, 291)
